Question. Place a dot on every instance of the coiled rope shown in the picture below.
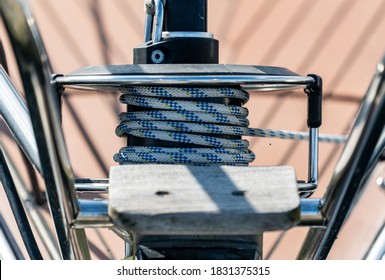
(178, 114)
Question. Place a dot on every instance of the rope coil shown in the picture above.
(178, 114)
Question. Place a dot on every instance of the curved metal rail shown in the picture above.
(350, 175)
(42, 102)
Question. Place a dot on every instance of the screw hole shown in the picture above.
(239, 193)
(162, 193)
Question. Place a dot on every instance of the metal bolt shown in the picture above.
(381, 182)
(157, 56)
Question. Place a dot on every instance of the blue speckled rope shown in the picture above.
(173, 118)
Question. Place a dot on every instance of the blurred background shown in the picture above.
(340, 40)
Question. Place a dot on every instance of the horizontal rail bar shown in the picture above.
(91, 185)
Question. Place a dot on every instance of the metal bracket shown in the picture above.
(314, 121)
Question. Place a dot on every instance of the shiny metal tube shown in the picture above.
(147, 27)
(93, 213)
(377, 248)
(158, 20)
(33, 211)
(128, 238)
(248, 82)
(42, 101)
(307, 189)
(10, 250)
(380, 148)
(16, 117)
(313, 156)
(350, 175)
(91, 185)
(18, 210)
(311, 212)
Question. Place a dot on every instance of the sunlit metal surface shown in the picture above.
(377, 248)
(34, 212)
(18, 210)
(16, 116)
(9, 249)
(91, 185)
(189, 34)
(158, 20)
(128, 238)
(42, 102)
(349, 176)
(93, 213)
(311, 212)
(250, 82)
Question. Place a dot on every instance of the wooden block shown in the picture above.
(226, 200)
